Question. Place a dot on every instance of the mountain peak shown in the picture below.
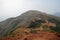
(33, 11)
(29, 19)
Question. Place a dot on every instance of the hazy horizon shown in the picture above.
(13, 8)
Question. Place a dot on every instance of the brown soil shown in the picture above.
(34, 36)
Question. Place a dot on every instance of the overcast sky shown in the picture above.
(13, 8)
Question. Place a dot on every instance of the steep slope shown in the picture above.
(24, 20)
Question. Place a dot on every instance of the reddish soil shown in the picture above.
(34, 36)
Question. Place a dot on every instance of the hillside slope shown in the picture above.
(24, 20)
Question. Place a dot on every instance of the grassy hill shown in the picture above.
(30, 19)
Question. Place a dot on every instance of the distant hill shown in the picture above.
(57, 14)
(26, 20)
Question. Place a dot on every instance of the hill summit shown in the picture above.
(32, 22)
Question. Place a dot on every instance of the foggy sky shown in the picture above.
(13, 8)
